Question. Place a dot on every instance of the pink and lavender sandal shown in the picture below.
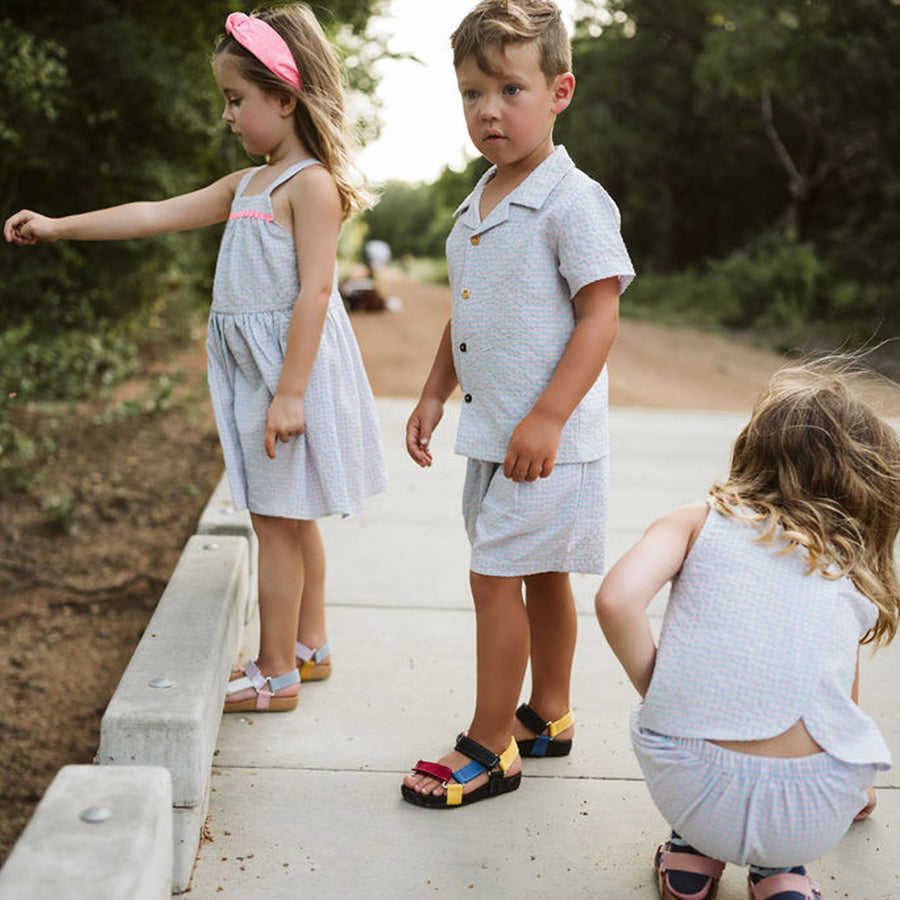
(254, 692)
(310, 664)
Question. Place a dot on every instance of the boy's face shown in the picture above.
(510, 114)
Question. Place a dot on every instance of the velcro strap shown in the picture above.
(561, 724)
(469, 771)
(307, 654)
(540, 745)
(454, 794)
(508, 756)
(262, 698)
(530, 719)
(672, 861)
(251, 670)
(238, 685)
(283, 681)
(435, 770)
(476, 751)
(789, 882)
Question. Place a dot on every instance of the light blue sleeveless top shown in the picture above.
(751, 643)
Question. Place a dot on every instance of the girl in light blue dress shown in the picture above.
(749, 734)
(294, 409)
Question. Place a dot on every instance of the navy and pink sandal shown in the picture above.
(483, 760)
(671, 860)
(788, 884)
(545, 742)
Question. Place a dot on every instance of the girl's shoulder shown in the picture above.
(312, 190)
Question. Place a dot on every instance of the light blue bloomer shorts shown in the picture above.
(553, 524)
(750, 810)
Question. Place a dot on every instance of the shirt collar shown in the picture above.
(532, 192)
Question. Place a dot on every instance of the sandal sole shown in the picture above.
(276, 704)
(430, 801)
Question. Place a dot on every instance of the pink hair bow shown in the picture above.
(266, 44)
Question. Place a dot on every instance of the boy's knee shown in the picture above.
(490, 587)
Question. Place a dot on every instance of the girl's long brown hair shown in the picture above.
(320, 117)
(817, 462)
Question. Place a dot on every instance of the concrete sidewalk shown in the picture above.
(309, 801)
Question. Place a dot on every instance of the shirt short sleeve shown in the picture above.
(589, 242)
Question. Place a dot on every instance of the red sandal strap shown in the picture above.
(435, 770)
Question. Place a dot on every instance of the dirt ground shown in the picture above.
(85, 555)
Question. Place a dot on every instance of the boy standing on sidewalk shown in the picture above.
(536, 267)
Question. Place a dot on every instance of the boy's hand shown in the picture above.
(284, 420)
(866, 811)
(420, 427)
(27, 228)
(532, 448)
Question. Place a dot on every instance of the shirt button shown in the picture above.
(475, 240)
(468, 398)
(465, 295)
(462, 347)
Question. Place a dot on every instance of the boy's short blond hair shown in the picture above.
(493, 24)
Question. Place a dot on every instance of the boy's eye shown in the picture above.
(511, 89)
(469, 95)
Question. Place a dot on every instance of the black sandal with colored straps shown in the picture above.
(545, 742)
(483, 760)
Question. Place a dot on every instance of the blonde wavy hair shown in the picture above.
(495, 23)
(819, 464)
(320, 115)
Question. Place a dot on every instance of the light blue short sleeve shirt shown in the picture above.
(512, 278)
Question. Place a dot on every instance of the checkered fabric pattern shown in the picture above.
(751, 643)
(339, 461)
(512, 278)
(750, 810)
(553, 524)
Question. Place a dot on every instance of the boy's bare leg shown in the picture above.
(310, 627)
(554, 627)
(502, 655)
(280, 588)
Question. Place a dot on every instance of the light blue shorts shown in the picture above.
(553, 524)
(750, 810)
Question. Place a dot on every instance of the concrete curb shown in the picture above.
(167, 707)
(99, 832)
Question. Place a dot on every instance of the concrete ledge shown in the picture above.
(126, 854)
(167, 707)
(220, 517)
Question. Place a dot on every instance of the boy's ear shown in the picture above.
(563, 90)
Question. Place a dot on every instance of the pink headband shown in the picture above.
(266, 44)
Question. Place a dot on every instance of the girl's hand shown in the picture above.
(866, 811)
(532, 448)
(284, 420)
(27, 228)
(420, 427)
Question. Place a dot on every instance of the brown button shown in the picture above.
(468, 398)
(475, 240)
(462, 347)
(465, 295)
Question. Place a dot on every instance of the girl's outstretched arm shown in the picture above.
(631, 584)
(316, 216)
(130, 220)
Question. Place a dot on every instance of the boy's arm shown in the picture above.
(316, 218)
(534, 443)
(439, 385)
(622, 601)
(206, 206)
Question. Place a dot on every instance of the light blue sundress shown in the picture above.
(339, 460)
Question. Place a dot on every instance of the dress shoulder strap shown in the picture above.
(290, 172)
(242, 185)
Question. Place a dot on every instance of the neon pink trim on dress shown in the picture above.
(252, 214)
(266, 44)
